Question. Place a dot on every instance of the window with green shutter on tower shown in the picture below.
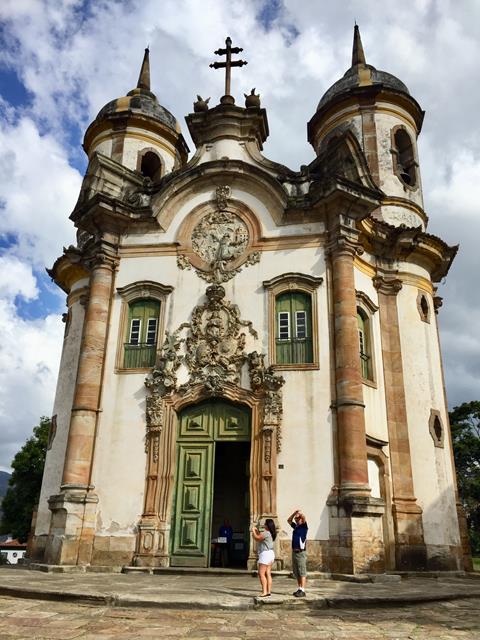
(364, 343)
(293, 334)
(140, 345)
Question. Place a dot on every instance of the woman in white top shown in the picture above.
(266, 555)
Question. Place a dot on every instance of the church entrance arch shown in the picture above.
(212, 485)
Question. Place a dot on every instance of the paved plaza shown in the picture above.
(35, 619)
(41, 605)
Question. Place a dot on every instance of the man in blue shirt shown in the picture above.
(299, 550)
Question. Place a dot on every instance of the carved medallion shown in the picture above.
(220, 236)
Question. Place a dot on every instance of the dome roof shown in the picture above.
(141, 101)
(362, 75)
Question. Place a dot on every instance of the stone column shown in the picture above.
(410, 551)
(352, 445)
(73, 522)
(356, 532)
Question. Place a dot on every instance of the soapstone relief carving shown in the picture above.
(213, 353)
(219, 239)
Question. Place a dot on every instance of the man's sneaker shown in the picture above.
(299, 593)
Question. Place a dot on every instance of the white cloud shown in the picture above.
(38, 190)
(16, 279)
(29, 359)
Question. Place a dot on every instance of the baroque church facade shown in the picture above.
(243, 339)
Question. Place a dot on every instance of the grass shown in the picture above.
(476, 564)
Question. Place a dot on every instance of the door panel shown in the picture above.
(191, 536)
(231, 423)
(199, 427)
(196, 423)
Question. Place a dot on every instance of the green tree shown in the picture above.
(25, 483)
(465, 425)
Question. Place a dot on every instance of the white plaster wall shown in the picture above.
(260, 207)
(431, 466)
(119, 463)
(389, 182)
(52, 474)
(225, 148)
(104, 147)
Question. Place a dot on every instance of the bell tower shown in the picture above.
(386, 120)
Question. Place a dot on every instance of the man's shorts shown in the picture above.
(299, 564)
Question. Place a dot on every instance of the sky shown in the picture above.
(62, 60)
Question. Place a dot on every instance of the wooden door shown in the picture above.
(199, 428)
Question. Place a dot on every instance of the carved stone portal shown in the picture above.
(212, 354)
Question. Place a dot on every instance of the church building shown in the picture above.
(244, 339)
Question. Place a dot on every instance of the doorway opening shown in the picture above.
(231, 505)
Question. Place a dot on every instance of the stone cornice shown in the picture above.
(366, 301)
(408, 244)
(68, 269)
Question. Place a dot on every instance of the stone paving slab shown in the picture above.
(229, 591)
(40, 620)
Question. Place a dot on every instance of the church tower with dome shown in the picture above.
(243, 339)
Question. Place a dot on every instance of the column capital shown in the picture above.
(387, 286)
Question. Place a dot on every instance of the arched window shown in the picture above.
(293, 330)
(405, 165)
(150, 166)
(142, 334)
(364, 341)
(293, 339)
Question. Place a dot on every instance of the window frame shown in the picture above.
(129, 294)
(289, 283)
(367, 308)
(396, 164)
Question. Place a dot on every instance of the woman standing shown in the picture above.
(266, 555)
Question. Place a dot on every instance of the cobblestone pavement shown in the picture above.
(36, 620)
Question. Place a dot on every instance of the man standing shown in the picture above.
(299, 550)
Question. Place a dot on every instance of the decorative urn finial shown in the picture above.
(200, 104)
(252, 99)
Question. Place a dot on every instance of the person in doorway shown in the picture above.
(226, 531)
(266, 555)
(299, 550)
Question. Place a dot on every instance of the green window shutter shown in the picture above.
(293, 311)
(364, 346)
(142, 334)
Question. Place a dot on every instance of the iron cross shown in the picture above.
(228, 64)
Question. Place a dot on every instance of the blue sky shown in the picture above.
(62, 60)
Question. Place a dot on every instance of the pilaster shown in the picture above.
(410, 550)
(356, 528)
(73, 522)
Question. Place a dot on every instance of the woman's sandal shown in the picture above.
(264, 595)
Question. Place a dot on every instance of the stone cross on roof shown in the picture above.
(227, 65)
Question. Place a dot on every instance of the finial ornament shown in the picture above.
(227, 65)
(144, 77)
(358, 56)
(252, 99)
(200, 104)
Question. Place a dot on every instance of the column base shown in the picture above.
(72, 528)
(410, 549)
(356, 534)
(152, 543)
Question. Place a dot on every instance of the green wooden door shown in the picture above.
(199, 428)
(193, 505)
